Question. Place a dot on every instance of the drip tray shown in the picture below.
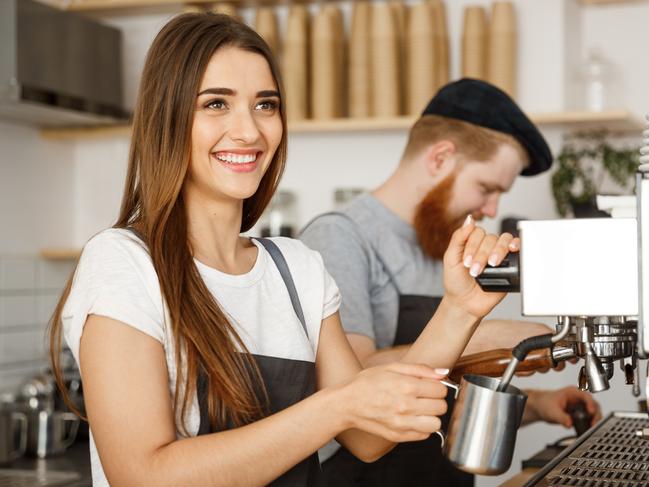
(609, 455)
(30, 478)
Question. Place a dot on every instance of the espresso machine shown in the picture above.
(593, 274)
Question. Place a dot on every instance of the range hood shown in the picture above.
(58, 68)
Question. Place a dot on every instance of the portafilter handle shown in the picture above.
(493, 363)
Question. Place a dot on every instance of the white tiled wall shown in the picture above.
(29, 291)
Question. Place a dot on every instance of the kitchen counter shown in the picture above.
(75, 460)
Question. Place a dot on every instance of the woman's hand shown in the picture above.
(398, 401)
(468, 253)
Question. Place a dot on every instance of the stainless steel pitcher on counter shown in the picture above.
(482, 430)
(50, 432)
(13, 435)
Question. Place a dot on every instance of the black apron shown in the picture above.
(412, 464)
(286, 381)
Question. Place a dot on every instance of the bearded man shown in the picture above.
(384, 250)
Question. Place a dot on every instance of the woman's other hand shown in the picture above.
(469, 252)
(399, 402)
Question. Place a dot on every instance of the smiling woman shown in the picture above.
(209, 358)
(236, 131)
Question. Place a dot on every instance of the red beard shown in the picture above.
(433, 223)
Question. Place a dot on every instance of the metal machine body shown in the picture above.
(594, 276)
(579, 267)
(610, 454)
(587, 272)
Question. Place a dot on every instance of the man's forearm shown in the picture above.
(490, 335)
(530, 413)
(495, 334)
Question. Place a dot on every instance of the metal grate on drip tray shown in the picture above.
(610, 455)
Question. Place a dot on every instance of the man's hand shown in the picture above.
(554, 406)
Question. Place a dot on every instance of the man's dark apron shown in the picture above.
(286, 381)
(419, 463)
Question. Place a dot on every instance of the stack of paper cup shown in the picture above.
(225, 8)
(384, 61)
(193, 8)
(295, 62)
(400, 13)
(341, 60)
(442, 70)
(420, 59)
(327, 64)
(266, 26)
(474, 43)
(360, 86)
(502, 47)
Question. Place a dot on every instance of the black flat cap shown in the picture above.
(483, 104)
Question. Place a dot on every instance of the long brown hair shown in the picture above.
(206, 342)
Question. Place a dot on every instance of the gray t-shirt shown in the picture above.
(373, 255)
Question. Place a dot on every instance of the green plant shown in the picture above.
(585, 162)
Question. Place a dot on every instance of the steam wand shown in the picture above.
(521, 350)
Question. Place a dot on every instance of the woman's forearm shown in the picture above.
(444, 338)
(254, 454)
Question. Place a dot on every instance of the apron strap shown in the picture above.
(285, 272)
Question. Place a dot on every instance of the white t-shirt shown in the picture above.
(115, 278)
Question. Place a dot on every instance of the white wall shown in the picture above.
(36, 210)
(36, 189)
(618, 31)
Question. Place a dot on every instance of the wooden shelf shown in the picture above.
(616, 120)
(86, 132)
(350, 124)
(60, 253)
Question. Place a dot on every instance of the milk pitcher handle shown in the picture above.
(21, 419)
(74, 428)
(456, 387)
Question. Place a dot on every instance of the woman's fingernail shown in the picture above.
(492, 259)
(468, 220)
(475, 269)
(442, 371)
(513, 246)
(467, 261)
